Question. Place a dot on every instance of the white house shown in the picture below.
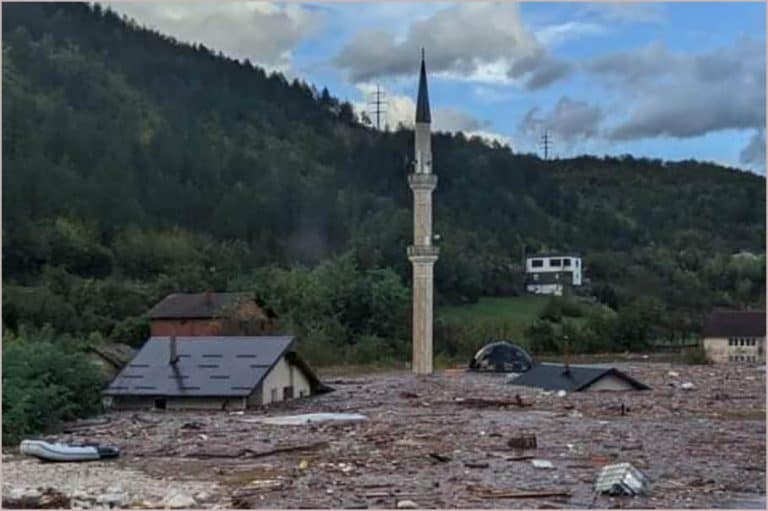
(549, 274)
(735, 336)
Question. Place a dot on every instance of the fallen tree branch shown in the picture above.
(493, 493)
(487, 403)
(250, 453)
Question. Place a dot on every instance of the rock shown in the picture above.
(407, 504)
(179, 501)
(687, 386)
(544, 464)
(112, 499)
(673, 374)
(202, 496)
(561, 393)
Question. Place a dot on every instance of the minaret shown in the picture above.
(422, 253)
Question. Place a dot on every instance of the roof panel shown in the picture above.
(207, 366)
(554, 377)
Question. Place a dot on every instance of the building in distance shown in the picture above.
(552, 273)
(735, 336)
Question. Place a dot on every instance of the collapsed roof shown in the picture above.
(573, 378)
(206, 367)
(501, 356)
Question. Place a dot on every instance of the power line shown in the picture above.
(546, 141)
(376, 101)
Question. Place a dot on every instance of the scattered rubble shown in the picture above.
(700, 450)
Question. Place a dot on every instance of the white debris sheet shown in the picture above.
(308, 418)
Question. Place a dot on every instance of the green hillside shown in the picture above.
(135, 165)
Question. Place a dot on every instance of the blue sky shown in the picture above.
(670, 81)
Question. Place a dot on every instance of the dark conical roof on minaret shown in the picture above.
(422, 101)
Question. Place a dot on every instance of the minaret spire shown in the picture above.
(422, 100)
(422, 254)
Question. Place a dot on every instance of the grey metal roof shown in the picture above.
(196, 305)
(422, 101)
(554, 377)
(207, 366)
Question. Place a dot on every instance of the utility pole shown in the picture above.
(375, 102)
(546, 141)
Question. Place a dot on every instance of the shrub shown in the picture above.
(45, 384)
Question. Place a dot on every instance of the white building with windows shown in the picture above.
(550, 274)
(735, 336)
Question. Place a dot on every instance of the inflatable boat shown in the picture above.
(67, 452)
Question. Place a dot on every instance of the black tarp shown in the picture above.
(501, 356)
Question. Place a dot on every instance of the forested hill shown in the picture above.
(134, 165)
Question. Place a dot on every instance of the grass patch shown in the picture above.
(515, 309)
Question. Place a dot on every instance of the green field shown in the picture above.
(473, 325)
(516, 309)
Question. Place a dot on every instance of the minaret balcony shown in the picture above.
(423, 251)
(422, 181)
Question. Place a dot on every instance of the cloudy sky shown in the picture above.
(671, 81)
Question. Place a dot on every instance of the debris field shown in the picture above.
(453, 440)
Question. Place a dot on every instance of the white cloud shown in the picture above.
(687, 95)
(753, 155)
(570, 121)
(483, 42)
(401, 110)
(553, 35)
(632, 12)
(264, 33)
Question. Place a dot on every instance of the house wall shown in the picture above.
(283, 375)
(719, 350)
(610, 382)
(185, 327)
(546, 289)
(175, 403)
(547, 267)
(205, 403)
(248, 319)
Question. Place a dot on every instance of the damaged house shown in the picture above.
(577, 378)
(212, 373)
(211, 314)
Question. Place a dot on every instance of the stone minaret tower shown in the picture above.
(422, 253)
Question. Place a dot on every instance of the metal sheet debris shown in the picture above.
(309, 418)
(622, 479)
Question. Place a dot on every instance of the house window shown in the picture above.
(537, 263)
(556, 263)
(287, 393)
(567, 263)
(274, 395)
(302, 393)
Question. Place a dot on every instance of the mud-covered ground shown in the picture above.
(701, 448)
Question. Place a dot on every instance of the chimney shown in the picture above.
(174, 357)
